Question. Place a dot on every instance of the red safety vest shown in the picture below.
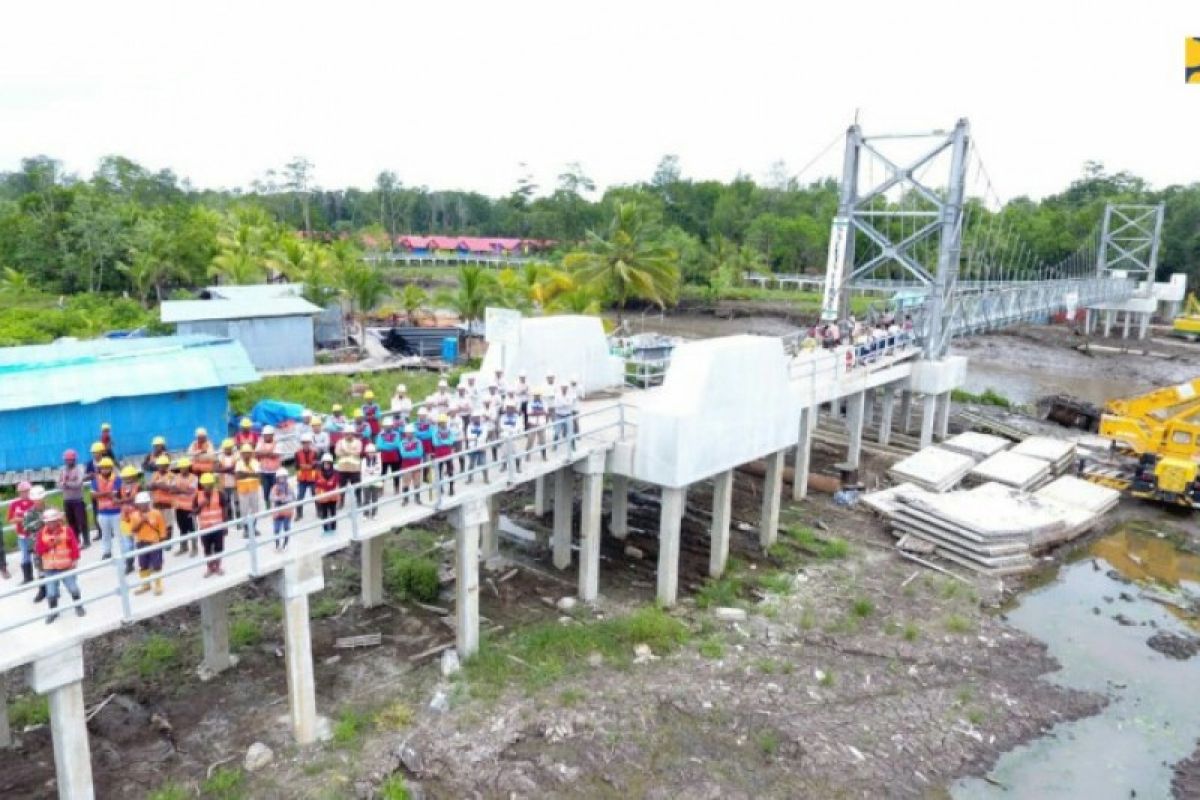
(59, 548)
(211, 513)
(110, 500)
(306, 465)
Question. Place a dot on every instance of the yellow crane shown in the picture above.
(1162, 428)
(1187, 323)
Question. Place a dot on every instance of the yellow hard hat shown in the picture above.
(130, 471)
(184, 463)
(207, 479)
(443, 418)
(358, 413)
(159, 440)
(337, 407)
(227, 443)
(162, 461)
(317, 422)
(97, 447)
(106, 462)
(368, 395)
(246, 423)
(247, 448)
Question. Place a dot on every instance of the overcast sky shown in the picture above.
(457, 94)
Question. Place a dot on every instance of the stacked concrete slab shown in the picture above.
(978, 446)
(1011, 469)
(1057, 452)
(1083, 504)
(933, 468)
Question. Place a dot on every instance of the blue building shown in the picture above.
(56, 396)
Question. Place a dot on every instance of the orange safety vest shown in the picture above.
(128, 492)
(184, 498)
(202, 457)
(272, 460)
(161, 486)
(58, 556)
(227, 462)
(148, 527)
(211, 513)
(109, 502)
(306, 465)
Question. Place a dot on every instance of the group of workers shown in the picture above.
(208, 484)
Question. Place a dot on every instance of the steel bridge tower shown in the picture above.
(1129, 241)
(941, 217)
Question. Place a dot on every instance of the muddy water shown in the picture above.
(1023, 383)
(1153, 717)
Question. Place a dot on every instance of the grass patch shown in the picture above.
(768, 743)
(712, 648)
(409, 577)
(956, 623)
(395, 717)
(28, 709)
(766, 666)
(989, 397)
(910, 632)
(538, 655)
(808, 619)
(862, 608)
(350, 726)
(170, 791)
(976, 716)
(244, 633)
(324, 606)
(722, 592)
(826, 549)
(320, 392)
(568, 698)
(777, 582)
(226, 783)
(394, 788)
(964, 695)
(153, 657)
(827, 679)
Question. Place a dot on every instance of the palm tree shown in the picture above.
(578, 300)
(413, 298)
(627, 261)
(361, 283)
(15, 281)
(245, 240)
(477, 289)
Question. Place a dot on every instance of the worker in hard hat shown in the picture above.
(162, 491)
(106, 439)
(511, 427)
(17, 509)
(412, 456)
(348, 461)
(402, 404)
(443, 448)
(372, 479)
(336, 424)
(320, 436)
(131, 486)
(371, 413)
(269, 459)
(58, 548)
(305, 424)
(90, 469)
(562, 407)
(70, 481)
(326, 498)
(201, 452)
(424, 433)
(106, 488)
(32, 524)
(158, 447)
(245, 434)
(539, 417)
(149, 528)
(211, 516)
(388, 445)
(307, 460)
(186, 485)
(522, 390)
(281, 499)
(249, 489)
(226, 481)
(475, 441)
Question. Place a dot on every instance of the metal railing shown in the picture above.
(505, 454)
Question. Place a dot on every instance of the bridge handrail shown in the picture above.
(503, 453)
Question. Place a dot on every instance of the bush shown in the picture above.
(244, 633)
(394, 788)
(28, 709)
(153, 657)
(226, 783)
(409, 577)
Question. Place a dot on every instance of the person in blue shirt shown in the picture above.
(444, 439)
(388, 445)
(412, 456)
(424, 434)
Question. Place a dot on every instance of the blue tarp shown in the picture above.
(274, 412)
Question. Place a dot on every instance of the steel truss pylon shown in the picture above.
(1129, 240)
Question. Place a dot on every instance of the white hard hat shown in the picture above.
(574, 379)
(281, 472)
(268, 430)
(142, 498)
(443, 382)
(327, 459)
(521, 374)
(370, 448)
(401, 388)
(306, 413)
(306, 438)
(422, 411)
(37, 493)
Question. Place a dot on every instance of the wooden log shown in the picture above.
(817, 482)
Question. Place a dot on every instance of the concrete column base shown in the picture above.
(60, 678)
(928, 412)
(855, 404)
(489, 538)
(906, 406)
(668, 545)
(467, 519)
(6, 740)
(541, 497)
(885, 415)
(803, 460)
(564, 502)
(589, 535)
(371, 557)
(214, 631)
(768, 530)
(619, 523)
(943, 416)
(299, 579)
(721, 514)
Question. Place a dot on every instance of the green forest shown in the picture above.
(79, 255)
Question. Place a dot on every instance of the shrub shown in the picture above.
(226, 783)
(411, 577)
(28, 709)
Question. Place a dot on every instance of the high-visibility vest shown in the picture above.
(306, 465)
(128, 492)
(202, 457)
(247, 476)
(161, 486)
(412, 452)
(326, 486)
(148, 527)
(60, 548)
(108, 501)
(185, 493)
(211, 512)
(271, 461)
(227, 462)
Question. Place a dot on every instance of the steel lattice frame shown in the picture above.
(1132, 233)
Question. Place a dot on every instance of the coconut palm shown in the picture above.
(477, 289)
(361, 283)
(245, 240)
(413, 299)
(627, 262)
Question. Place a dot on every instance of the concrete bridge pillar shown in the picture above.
(868, 407)
(467, 519)
(1108, 322)
(489, 538)
(6, 740)
(1125, 333)
(619, 523)
(60, 677)
(670, 522)
(541, 498)
(885, 415)
(214, 631)
(371, 560)
(721, 513)
(299, 579)
(1087, 322)
(854, 427)
(928, 412)
(906, 406)
(564, 501)
(768, 530)
(1143, 325)
(591, 470)
(943, 415)
(808, 425)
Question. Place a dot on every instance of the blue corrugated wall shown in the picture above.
(31, 438)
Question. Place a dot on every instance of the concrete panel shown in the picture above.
(706, 382)
(569, 346)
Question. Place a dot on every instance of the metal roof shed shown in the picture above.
(271, 322)
(56, 396)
